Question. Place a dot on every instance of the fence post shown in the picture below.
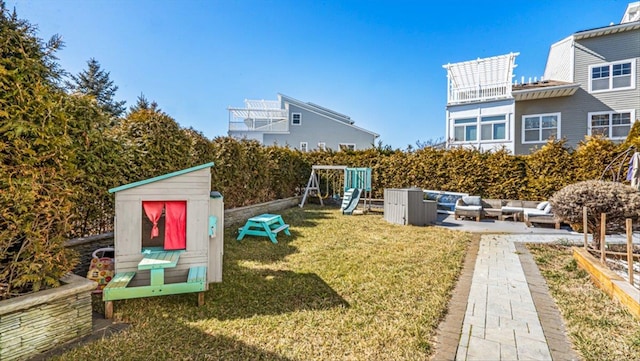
(603, 231)
(630, 249)
(585, 225)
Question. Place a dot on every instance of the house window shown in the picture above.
(304, 147)
(613, 125)
(322, 146)
(347, 146)
(493, 128)
(537, 128)
(465, 130)
(296, 118)
(612, 76)
(164, 225)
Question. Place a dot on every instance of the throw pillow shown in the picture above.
(542, 205)
(472, 200)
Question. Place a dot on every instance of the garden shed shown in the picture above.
(407, 206)
(168, 235)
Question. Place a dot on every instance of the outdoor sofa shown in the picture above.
(492, 208)
(515, 209)
(541, 214)
(468, 206)
(530, 212)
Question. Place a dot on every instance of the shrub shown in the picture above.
(38, 162)
(548, 169)
(617, 200)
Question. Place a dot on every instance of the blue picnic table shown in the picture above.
(264, 225)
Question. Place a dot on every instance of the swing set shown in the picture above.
(356, 184)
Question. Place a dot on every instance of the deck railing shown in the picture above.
(480, 93)
(259, 125)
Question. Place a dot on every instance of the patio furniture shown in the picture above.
(541, 214)
(515, 209)
(492, 208)
(446, 200)
(468, 206)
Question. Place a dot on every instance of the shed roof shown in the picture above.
(159, 178)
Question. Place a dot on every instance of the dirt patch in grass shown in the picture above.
(340, 288)
(599, 327)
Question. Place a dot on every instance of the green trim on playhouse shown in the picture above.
(159, 178)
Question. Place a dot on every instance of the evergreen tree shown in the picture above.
(38, 170)
(144, 104)
(154, 142)
(95, 83)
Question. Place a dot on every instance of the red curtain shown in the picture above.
(153, 210)
(175, 230)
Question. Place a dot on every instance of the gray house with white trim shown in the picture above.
(299, 125)
(591, 85)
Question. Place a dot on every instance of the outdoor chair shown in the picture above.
(541, 214)
(468, 206)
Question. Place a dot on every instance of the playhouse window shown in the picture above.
(164, 225)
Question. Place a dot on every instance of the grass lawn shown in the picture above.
(340, 288)
(599, 327)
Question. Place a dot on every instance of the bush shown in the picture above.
(38, 162)
(617, 200)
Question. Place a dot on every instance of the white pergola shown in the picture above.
(258, 115)
(481, 79)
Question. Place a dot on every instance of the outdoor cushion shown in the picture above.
(547, 208)
(468, 208)
(535, 212)
(472, 200)
(542, 205)
(512, 209)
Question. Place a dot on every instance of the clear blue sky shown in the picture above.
(379, 62)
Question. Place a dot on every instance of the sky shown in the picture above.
(379, 62)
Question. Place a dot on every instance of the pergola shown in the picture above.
(480, 79)
(258, 115)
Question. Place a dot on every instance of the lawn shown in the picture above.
(340, 288)
(598, 326)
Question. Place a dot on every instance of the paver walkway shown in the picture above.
(501, 321)
(508, 314)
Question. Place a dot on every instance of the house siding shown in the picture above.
(575, 109)
(500, 107)
(606, 49)
(317, 128)
(573, 119)
(559, 61)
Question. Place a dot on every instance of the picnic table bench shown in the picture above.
(156, 262)
(264, 225)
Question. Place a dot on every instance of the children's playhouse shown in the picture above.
(168, 236)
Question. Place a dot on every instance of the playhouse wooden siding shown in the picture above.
(194, 188)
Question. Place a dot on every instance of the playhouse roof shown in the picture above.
(159, 178)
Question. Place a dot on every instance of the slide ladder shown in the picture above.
(350, 200)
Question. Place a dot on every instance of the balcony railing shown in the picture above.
(480, 93)
(259, 125)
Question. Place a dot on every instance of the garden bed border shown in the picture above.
(610, 282)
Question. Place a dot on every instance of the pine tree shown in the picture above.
(143, 103)
(95, 83)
